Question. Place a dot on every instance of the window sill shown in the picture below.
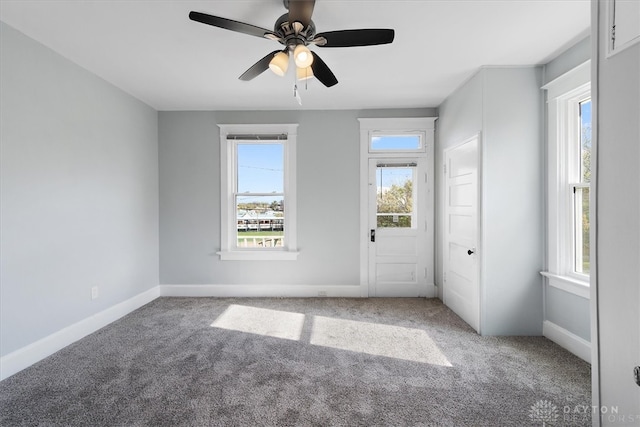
(568, 284)
(258, 255)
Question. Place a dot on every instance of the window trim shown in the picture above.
(228, 221)
(563, 94)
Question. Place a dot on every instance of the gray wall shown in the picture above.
(327, 194)
(567, 60)
(505, 105)
(79, 186)
(569, 311)
(513, 194)
(618, 225)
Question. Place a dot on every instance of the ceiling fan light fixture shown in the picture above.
(302, 56)
(304, 73)
(279, 63)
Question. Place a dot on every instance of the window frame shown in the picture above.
(574, 178)
(564, 95)
(229, 251)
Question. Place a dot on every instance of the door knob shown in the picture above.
(471, 251)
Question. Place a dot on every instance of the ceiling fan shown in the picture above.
(295, 30)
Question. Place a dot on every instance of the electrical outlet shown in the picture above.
(322, 294)
(94, 292)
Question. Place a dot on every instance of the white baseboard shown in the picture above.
(26, 356)
(432, 291)
(290, 291)
(567, 340)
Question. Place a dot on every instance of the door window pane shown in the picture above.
(395, 195)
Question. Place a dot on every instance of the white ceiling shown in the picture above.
(151, 49)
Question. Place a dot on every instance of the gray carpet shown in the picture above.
(298, 362)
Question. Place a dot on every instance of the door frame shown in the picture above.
(445, 222)
(369, 126)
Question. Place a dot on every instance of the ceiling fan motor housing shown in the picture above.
(292, 34)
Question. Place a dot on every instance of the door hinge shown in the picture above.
(613, 37)
(425, 272)
(444, 277)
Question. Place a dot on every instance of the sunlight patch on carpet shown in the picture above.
(362, 337)
(261, 321)
(376, 339)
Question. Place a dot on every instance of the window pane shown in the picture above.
(260, 168)
(395, 197)
(260, 221)
(581, 220)
(585, 141)
(396, 143)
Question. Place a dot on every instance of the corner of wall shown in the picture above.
(22, 358)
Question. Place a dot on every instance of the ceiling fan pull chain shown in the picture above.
(296, 93)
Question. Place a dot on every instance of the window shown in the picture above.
(258, 209)
(569, 168)
(580, 155)
(259, 194)
(409, 142)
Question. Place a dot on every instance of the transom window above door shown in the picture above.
(402, 142)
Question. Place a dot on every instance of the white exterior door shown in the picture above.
(397, 207)
(397, 227)
(461, 234)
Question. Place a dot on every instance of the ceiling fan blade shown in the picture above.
(258, 68)
(301, 11)
(349, 38)
(229, 24)
(322, 72)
